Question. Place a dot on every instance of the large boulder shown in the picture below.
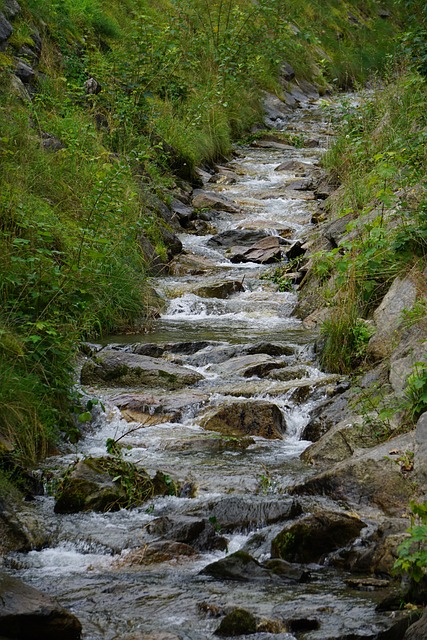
(389, 317)
(209, 200)
(250, 417)
(28, 614)
(120, 369)
(248, 366)
(375, 477)
(220, 290)
(241, 237)
(241, 512)
(418, 630)
(200, 533)
(312, 537)
(265, 251)
(238, 566)
(238, 622)
(149, 410)
(340, 443)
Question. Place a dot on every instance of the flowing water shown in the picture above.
(89, 564)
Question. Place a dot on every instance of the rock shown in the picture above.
(237, 623)
(200, 533)
(295, 251)
(389, 317)
(191, 265)
(210, 200)
(238, 566)
(156, 552)
(323, 190)
(19, 89)
(265, 251)
(328, 413)
(94, 484)
(286, 374)
(412, 348)
(314, 536)
(340, 442)
(271, 349)
(294, 166)
(303, 625)
(220, 290)
(149, 410)
(6, 29)
(24, 71)
(287, 570)
(223, 176)
(118, 369)
(300, 185)
(92, 87)
(241, 512)
(275, 110)
(11, 9)
(334, 231)
(420, 464)
(51, 143)
(287, 72)
(248, 366)
(183, 212)
(171, 240)
(27, 614)
(371, 478)
(418, 630)
(250, 417)
(272, 144)
(241, 237)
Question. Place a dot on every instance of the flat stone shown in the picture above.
(239, 566)
(118, 369)
(248, 365)
(27, 613)
(209, 200)
(272, 144)
(149, 410)
(183, 212)
(220, 290)
(293, 166)
(157, 552)
(241, 237)
(188, 264)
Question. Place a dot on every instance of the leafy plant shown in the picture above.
(412, 552)
(416, 390)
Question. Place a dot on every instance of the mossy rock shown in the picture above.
(238, 622)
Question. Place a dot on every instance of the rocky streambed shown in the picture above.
(213, 514)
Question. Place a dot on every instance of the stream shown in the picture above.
(94, 565)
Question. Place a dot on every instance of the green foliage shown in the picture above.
(416, 391)
(412, 552)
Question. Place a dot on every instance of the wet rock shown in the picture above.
(312, 537)
(236, 623)
(300, 185)
(172, 242)
(157, 552)
(27, 613)
(150, 349)
(241, 237)
(265, 251)
(418, 630)
(295, 251)
(210, 200)
(373, 477)
(188, 264)
(275, 109)
(389, 317)
(95, 484)
(238, 566)
(223, 176)
(149, 410)
(200, 533)
(286, 374)
(249, 365)
(241, 512)
(154, 263)
(367, 584)
(154, 635)
(270, 349)
(214, 355)
(302, 625)
(287, 570)
(272, 144)
(325, 415)
(220, 290)
(251, 417)
(294, 166)
(114, 369)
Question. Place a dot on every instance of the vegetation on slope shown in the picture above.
(171, 85)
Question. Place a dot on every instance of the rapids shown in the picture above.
(85, 565)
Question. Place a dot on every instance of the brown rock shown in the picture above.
(251, 417)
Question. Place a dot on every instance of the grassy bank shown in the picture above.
(128, 98)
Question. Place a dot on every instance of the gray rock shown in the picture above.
(389, 317)
(149, 410)
(372, 478)
(51, 143)
(241, 237)
(275, 110)
(26, 613)
(250, 417)
(287, 71)
(265, 251)
(313, 537)
(116, 369)
(210, 200)
(19, 89)
(271, 349)
(183, 212)
(187, 264)
(157, 552)
(420, 462)
(286, 374)
(6, 29)
(334, 231)
(340, 442)
(198, 532)
(92, 87)
(238, 566)
(241, 512)
(294, 166)
(171, 240)
(272, 144)
(249, 365)
(287, 570)
(24, 72)
(11, 9)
